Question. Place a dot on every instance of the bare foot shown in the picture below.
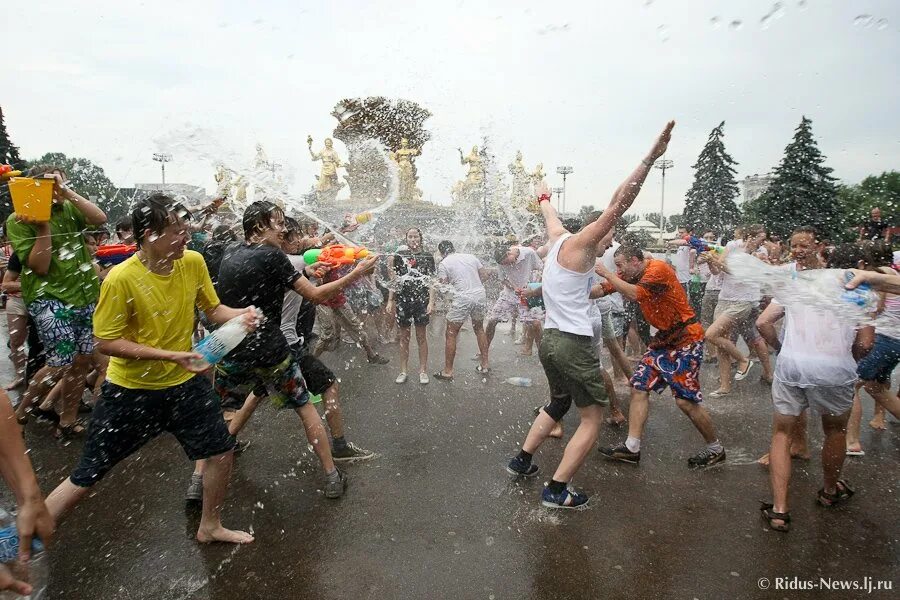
(220, 534)
(878, 423)
(763, 460)
(557, 431)
(800, 453)
(525, 354)
(18, 383)
(797, 454)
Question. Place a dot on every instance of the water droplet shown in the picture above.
(736, 25)
(863, 20)
(881, 24)
(716, 22)
(663, 32)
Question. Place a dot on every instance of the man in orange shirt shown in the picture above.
(673, 356)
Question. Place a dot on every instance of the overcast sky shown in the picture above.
(586, 84)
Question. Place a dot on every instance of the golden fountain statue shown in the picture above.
(328, 183)
(403, 157)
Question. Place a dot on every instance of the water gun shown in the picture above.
(114, 254)
(335, 255)
(6, 171)
(701, 245)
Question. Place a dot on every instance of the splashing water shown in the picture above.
(822, 289)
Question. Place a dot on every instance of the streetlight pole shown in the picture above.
(663, 164)
(162, 159)
(564, 171)
(558, 191)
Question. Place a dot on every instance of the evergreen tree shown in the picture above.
(9, 153)
(709, 204)
(803, 191)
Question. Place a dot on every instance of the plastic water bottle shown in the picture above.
(862, 295)
(519, 381)
(38, 566)
(223, 340)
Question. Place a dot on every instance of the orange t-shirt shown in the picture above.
(664, 304)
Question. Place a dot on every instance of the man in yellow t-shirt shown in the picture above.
(144, 321)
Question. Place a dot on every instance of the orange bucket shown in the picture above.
(32, 198)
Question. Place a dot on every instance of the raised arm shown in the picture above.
(625, 194)
(554, 226)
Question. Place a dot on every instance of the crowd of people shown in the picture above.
(104, 351)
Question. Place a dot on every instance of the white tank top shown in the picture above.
(567, 306)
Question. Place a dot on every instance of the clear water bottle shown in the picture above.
(861, 296)
(519, 381)
(38, 567)
(223, 340)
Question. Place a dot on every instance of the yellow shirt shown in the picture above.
(152, 310)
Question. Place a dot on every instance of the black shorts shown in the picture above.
(126, 419)
(318, 377)
(411, 311)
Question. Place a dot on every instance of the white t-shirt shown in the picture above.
(291, 307)
(681, 262)
(461, 270)
(733, 288)
(519, 273)
(815, 349)
(612, 302)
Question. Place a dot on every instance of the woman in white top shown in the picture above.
(736, 312)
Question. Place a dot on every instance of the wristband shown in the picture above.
(544, 198)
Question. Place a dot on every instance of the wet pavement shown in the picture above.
(436, 516)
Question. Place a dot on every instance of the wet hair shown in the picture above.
(225, 233)
(417, 230)
(258, 217)
(630, 251)
(43, 169)
(446, 247)
(501, 251)
(687, 229)
(753, 230)
(806, 229)
(846, 256)
(156, 212)
(124, 224)
(877, 254)
(292, 227)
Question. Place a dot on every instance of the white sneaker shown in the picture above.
(423, 378)
(401, 378)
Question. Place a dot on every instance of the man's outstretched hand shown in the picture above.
(662, 142)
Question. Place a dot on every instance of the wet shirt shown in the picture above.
(461, 270)
(153, 310)
(414, 271)
(665, 306)
(874, 230)
(257, 275)
(519, 274)
(71, 278)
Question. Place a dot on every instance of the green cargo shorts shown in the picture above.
(572, 368)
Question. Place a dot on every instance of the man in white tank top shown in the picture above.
(566, 353)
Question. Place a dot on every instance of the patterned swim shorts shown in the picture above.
(282, 383)
(64, 330)
(507, 304)
(677, 368)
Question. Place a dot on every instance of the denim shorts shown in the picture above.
(880, 362)
(125, 419)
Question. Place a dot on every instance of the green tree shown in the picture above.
(9, 155)
(709, 204)
(857, 201)
(803, 191)
(89, 180)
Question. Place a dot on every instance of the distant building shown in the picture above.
(755, 185)
(194, 193)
